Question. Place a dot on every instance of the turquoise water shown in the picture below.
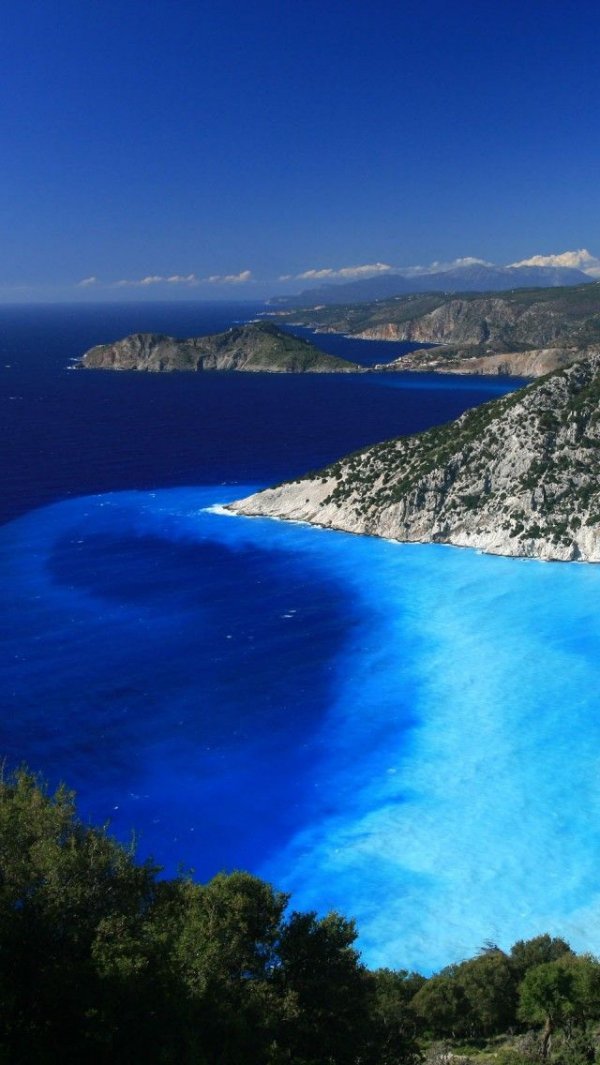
(407, 733)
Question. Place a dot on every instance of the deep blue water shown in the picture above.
(69, 433)
(405, 733)
(365, 352)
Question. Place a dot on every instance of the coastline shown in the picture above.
(516, 477)
(258, 506)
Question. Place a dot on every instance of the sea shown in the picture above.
(407, 734)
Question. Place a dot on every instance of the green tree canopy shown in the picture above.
(442, 1007)
(102, 962)
(560, 993)
(490, 989)
(527, 953)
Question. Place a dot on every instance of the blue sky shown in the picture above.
(243, 142)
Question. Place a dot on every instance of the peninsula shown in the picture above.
(516, 476)
(525, 333)
(258, 347)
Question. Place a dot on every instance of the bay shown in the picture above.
(406, 733)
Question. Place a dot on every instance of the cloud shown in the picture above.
(578, 260)
(442, 267)
(158, 279)
(87, 281)
(350, 273)
(345, 272)
(189, 280)
(230, 279)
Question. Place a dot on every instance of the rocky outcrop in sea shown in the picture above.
(258, 347)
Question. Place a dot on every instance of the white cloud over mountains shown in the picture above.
(443, 267)
(353, 273)
(347, 273)
(580, 259)
(577, 260)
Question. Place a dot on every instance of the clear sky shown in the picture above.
(245, 140)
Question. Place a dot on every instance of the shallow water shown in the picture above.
(407, 733)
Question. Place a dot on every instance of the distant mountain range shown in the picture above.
(473, 277)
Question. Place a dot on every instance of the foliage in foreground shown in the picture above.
(101, 961)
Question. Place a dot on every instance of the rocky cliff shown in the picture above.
(553, 326)
(517, 476)
(492, 321)
(474, 360)
(256, 347)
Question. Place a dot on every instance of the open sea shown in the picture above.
(409, 734)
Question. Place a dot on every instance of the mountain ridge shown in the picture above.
(473, 277)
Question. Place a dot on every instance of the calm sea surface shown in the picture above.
(405, 733)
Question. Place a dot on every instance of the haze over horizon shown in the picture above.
(203, 151)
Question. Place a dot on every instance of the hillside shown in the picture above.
(258, 347)
(517, 476)
(563, 323)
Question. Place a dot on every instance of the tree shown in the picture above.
(528, 953)
(325, 990)
(228, 952)
(561, 994)
(443, 1007)
(490, 988)
(395, 1021)
(62, 886)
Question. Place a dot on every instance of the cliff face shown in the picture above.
(455, 322)
(537, 322)
(518, 476)
(534, 363)
(257, 347)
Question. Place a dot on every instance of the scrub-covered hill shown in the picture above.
(259, 347)
(527, 332)
(517, 476)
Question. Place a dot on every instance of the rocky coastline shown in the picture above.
(518, 476)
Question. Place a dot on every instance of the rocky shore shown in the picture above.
(518, 476)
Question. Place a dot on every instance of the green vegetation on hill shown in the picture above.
(515, 476)
(529, 331)
(576, 310)
(103, 962)
(354, 318)
(254, 347)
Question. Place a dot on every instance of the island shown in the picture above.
(516, 476)
(258, 347)
(524, 333)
